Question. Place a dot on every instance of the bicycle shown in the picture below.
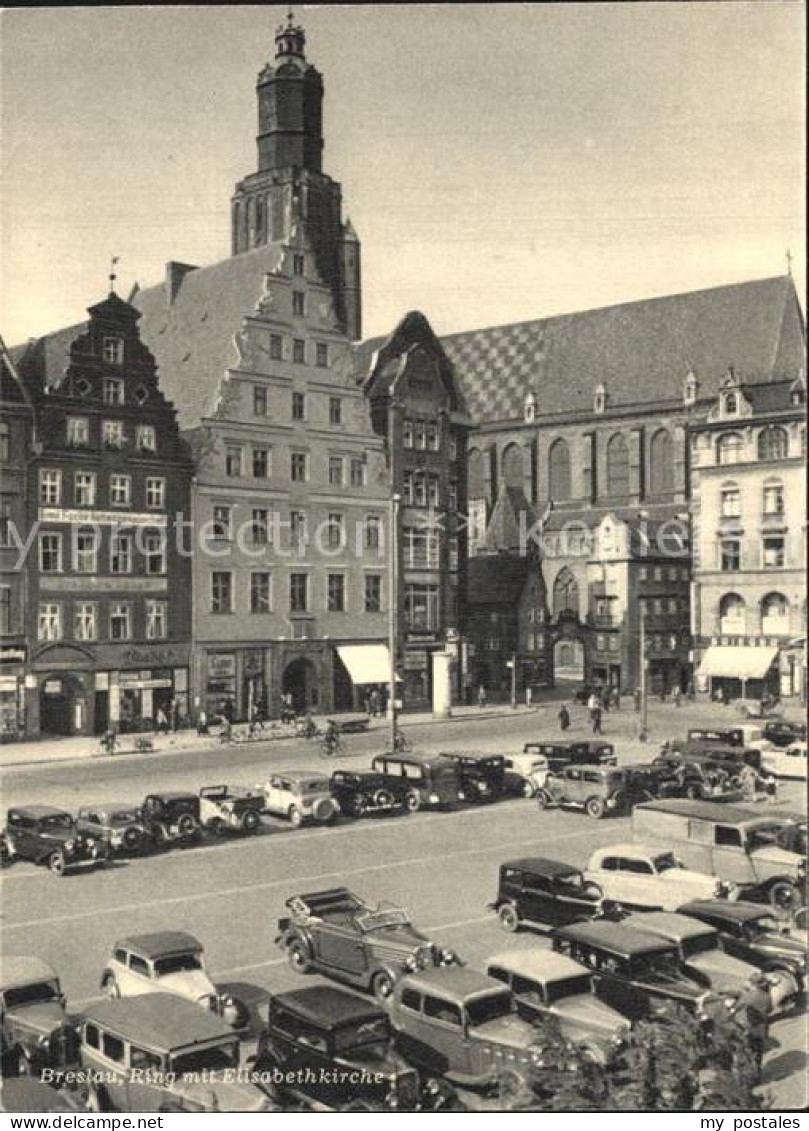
(401, 743)
(330, 742)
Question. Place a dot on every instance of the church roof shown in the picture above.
(505, 530)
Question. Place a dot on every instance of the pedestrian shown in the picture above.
(689, 691)
(174, 710)
(202, 723)
(616, 697)
(481, 696)
(161, 721)
(529, 697)
(367, 703)
(564, 718)
(637, 697)
(376, 703)
(720, 695)
(256, 722)
(596, 717)
(677, 697)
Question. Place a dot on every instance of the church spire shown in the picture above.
(290, 39)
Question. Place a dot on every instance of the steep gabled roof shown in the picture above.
(511, 518)
(496, 579)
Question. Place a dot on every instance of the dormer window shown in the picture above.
(530, 408)
(730, 405)
(113, 390)
(690, 389)
(599, 398)
(113, 351)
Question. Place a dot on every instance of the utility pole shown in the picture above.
(393, 611)
(643, 732)
(512, 663)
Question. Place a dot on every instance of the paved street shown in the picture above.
(442, 867)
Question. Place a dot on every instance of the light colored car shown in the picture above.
(651, 878)
(526, 773)
(299, 796)
(788, 762)
(163, 962)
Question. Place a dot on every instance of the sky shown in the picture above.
(500, 162)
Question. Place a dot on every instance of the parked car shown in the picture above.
(158, 1053)
(544, 893)
(358, 794)
(526, 773)
(483, 776)
(165, 962)
(749, 736)
(598, 790)
(34, 1029)
(298, 796)
(740, 845)
(325, 1040)
(172, 818)
(432, 782)
(575, 752)
(116, 824)
(633, 971)
(713, 755)
(50, 836)
(797, 928)
(552, 985)
(341, 935)
(222, 809)
(696, 777)
(465, 1025)
(704, 959)
(637, 876)
(786, 761)
(781, 733)
(356, 725)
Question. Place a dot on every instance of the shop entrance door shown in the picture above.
(300, 680)
(101, 714)
(56, 699)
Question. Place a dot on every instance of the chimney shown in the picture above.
(175, 273)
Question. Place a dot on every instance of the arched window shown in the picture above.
(772, 443)
(729, 448)
(731, 404)
(565, 593)
(775, 615)
(476, 478)
(661, 463)
(559, 471)
(732, 615)
(512, 466)
(618, 466)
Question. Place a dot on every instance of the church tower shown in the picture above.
(289, 187)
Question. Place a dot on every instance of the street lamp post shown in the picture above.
(643, 733)
(393, 611)
(512, 663)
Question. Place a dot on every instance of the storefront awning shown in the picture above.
(366, 663)
(741, 663)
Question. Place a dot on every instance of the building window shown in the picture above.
(276, 347)
(120, 621)
(298, 592)
(85, 551)
(335, 410)
(373, 532)
(120, 553)
(50, 488)
(260, 526)
(146, 438)
(260, 400)
(453, 446)
(84, 489)
(731, 501)
(773, 552)
(408, 488)
(260, 593)
(729, 448)
(298, 303)
(559, 480)
(297, 467)
(433, 490)
(261, 463)
(85, 621)
(618, 466)
(407, 434)
(358, 473)
(297, 529)
(336, 593)
(5, 610)
(421, 607)
(773, 498)
(298, 351)
(373, 593)
(432, 438)
(154, 553)
(50, 622)
(113, 390)
(730, 555)
(322, 355)
(775, 615)
(452, 496)
(155, 494)
(233, 460)
(732, 615)
(298, 265)
(112, 434)
(420, 547)
(661, 463)
(336, 471)
(5, 520)
(453, 553)
(113, 352)
(298, 406)
(772, 443)
(120, 490)
(50, 553)
(421, 436)
(78, 431)
(5, 450)
(222, 523)
(335, 532)
(156, 620)
(221, 592)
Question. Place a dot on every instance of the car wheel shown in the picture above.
(186, 826)
(509, 917)
(57, 863)
(784, 896)
(295, 816)
(217, 827)
(110, 988)
(132, 839)
(250, 821)
(356, 806)
(595, 808)
(527, 788)
(543, 799)
(323, 811)
(382, 985)
(299, 958)
(412, 801)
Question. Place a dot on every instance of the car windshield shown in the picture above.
(382, 917)
(488, 1008)
(197, 1060)
(573, 881)
(699, 944)
(666, 862)
(766, 835)
(792, 838)
(659, 962)
(367, 1041)
(16, 996)
(176, 964)
(57, 821)
(317, 785)
(567, 987)
(124, 816)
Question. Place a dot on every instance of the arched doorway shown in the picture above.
(300, 681)
(62, 705)
(568, 661)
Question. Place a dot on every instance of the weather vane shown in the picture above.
(113, 276)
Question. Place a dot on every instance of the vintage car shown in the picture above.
(50, 836)
(786, 762)
(223, 810)
(751, 932)
(358, 794)
(339, 934)
(542, 893)
(748, 737)
(696, 777)
(712, 755)
(483, 776)
(797, 928)
(740, 845)
(651, 878)
(526, 773)
(158, 1053)
(170, 962)
(465, 1025)
(431, 782)
(782, 733)
(118, 825)
(324, 1039)
(34, 1029)
(546, 985)
(299, 796)
(634, 971)
(598, 790)
(704, 959)
(172, 818)
(573, 752)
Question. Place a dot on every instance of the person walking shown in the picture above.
(564, 718)
(616, 697)
(637, 696)
(529, 697)
(481, 696)
(595, 714)
(174, 713)
(677, 697)
(202, 722)
(161, 721)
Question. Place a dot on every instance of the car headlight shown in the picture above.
(70, 845)
(412, 963)
(483, 787)
(447, 957)
(434, 798)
